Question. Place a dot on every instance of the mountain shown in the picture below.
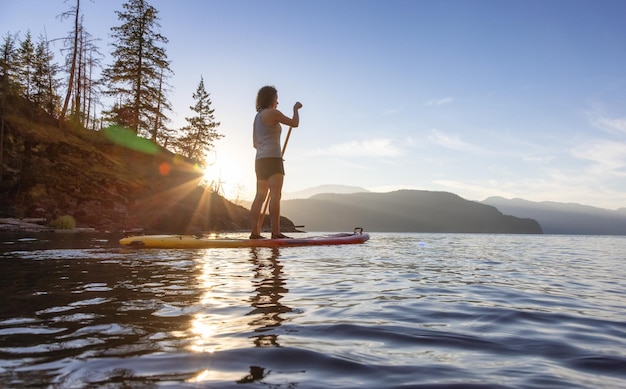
(403, 211)
(564, 218)
(306, 193)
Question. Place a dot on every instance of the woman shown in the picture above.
(268, 165)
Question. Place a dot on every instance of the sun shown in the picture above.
(225, 176)
(212, 174)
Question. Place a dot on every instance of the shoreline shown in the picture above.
(9, 224)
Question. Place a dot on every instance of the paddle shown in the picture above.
(266, 201)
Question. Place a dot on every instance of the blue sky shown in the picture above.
(520, 99)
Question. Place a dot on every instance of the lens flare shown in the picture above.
(165, 168)
(127, 138)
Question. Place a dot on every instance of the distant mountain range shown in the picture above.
(402, 211)
(340, 189)
(340, 208)
(565, 218)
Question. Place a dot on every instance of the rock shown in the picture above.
(17, 225)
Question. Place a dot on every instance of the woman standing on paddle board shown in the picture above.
(268, 165)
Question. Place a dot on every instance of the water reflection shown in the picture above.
(257, 373)
(230, 287)
(270, 288)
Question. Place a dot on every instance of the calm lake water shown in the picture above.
(400, 311)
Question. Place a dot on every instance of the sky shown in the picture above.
(519, 98)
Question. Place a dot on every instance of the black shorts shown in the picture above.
(266, 167)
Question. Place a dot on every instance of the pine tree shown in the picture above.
(8, 66)
(8, 74)
(161, 133)
(8, 71)
(138, 75)
(26, 65)
(44, 82)
(199, 135)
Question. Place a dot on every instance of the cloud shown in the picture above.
(609, 156)
(442, 101)
(451, 142)
(542, 159)
(364, 148)
(613, 125)
(610, 125)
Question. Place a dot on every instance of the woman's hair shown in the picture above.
(265, 97)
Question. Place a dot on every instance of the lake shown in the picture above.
(400, 311)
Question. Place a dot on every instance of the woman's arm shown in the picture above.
(273, 116)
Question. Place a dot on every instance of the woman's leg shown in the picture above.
(276, 188)
(255, 210)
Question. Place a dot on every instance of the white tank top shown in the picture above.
(266, 139)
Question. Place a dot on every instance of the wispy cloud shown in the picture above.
(364, 148)
(613, 125)
(451, 142)
(608, 156)
(599, 119)
(442, 101)
(536, 158)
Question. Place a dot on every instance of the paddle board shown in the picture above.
(194, 241)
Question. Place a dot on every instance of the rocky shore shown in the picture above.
(23, 225)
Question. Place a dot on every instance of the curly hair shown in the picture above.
(265, 97)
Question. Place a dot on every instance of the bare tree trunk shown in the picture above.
(89, 92)
(79, 79)
(70, 83)
(157, 118)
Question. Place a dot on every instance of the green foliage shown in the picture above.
(44, 78)
(198, 137)
(136, 80)
(137, 77)
(26, 55)
(65, 222)
(8, 65)
(28, 70)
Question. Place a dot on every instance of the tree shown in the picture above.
(85, 89)
(160, 132)
(8, 63)
(8, 74)
(74, 11)
(199, 135)
(44, 82)
(89, 59)
(26, 64)
(139, 71)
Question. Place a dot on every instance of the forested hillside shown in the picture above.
(91, 140)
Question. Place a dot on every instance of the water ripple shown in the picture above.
(403, 310)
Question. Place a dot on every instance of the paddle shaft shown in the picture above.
(266, 201)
